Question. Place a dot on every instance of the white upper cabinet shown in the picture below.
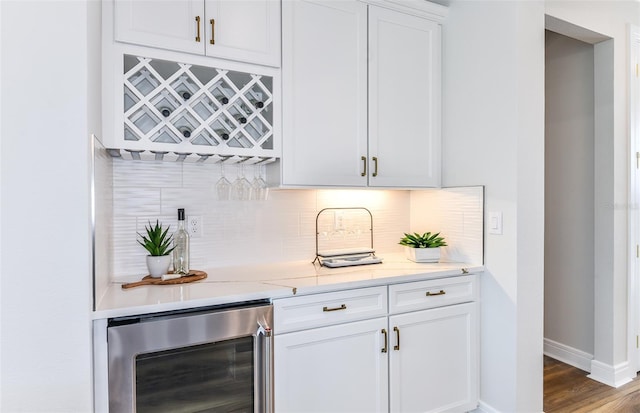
(165, 24)
(361, 94)
(404, 100)
(244, 30)
(247, 31)
(324, 92)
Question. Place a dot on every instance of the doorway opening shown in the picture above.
(580, 328)
(569, 200)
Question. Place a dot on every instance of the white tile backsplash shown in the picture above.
(457, 213)
(281, 228)
(153, 176)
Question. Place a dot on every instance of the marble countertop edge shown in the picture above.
(269, 281)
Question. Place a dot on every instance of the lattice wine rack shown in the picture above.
(180, 112)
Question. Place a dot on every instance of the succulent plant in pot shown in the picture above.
(423, 247)
(158, 243)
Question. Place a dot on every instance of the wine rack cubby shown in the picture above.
(178, 111)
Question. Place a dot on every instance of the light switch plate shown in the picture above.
(495, 223)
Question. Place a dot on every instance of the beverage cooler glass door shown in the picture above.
(216, 361)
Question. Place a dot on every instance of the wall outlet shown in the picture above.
(194, 226)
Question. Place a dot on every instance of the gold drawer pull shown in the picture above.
(384, 349)
(342, 307)
(397, 346)
(212, 22)
(364, 166)
(375, 166)
(430, 294)
(198, 25)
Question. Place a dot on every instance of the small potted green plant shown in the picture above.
(423, 247)
(158, 243)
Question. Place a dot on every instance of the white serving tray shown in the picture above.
(347, 261)
(346, 252)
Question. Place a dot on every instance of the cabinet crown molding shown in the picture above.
(421, 8)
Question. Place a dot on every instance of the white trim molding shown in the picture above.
(485, 408)
(633, 289)
(569, 355)
(614, 376)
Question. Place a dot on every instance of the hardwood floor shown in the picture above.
(568, 390)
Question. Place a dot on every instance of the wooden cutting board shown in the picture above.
(194, 275)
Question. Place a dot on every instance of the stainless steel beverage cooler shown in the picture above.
(213, 360)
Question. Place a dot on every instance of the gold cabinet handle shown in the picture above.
(213, 32)
(375, 166)
(198, 27)
(364, 166)
(342, 307)
(430, 294)
(397, 346)
(384, 349)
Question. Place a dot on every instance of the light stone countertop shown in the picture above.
(267, 281)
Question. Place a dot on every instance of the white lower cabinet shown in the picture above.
(358, 352)
(332, 369)
(435, 365)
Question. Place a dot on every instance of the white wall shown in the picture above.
(569, 193)
(1, 200)
(493, 136)
(45, 282)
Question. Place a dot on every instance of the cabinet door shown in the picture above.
(324, 70)
(404, 99)
(247, 30)
(435, 368)
(338, 369)
(166, 24)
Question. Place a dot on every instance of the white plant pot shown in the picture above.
(158, 265)
(422, 254)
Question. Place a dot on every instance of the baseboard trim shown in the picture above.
(614, 376)
(569, 355)
(484, 408)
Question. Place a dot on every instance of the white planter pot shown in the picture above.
(422, 254)
(158, 265)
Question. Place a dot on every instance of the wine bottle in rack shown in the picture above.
(165, 112)
(221, 97)
(240, 109)
(223, 134)
(241, 119)
(181, 247)
(186, 132)
(257, 103)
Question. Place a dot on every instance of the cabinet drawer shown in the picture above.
(310, 311)
(433, 293)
